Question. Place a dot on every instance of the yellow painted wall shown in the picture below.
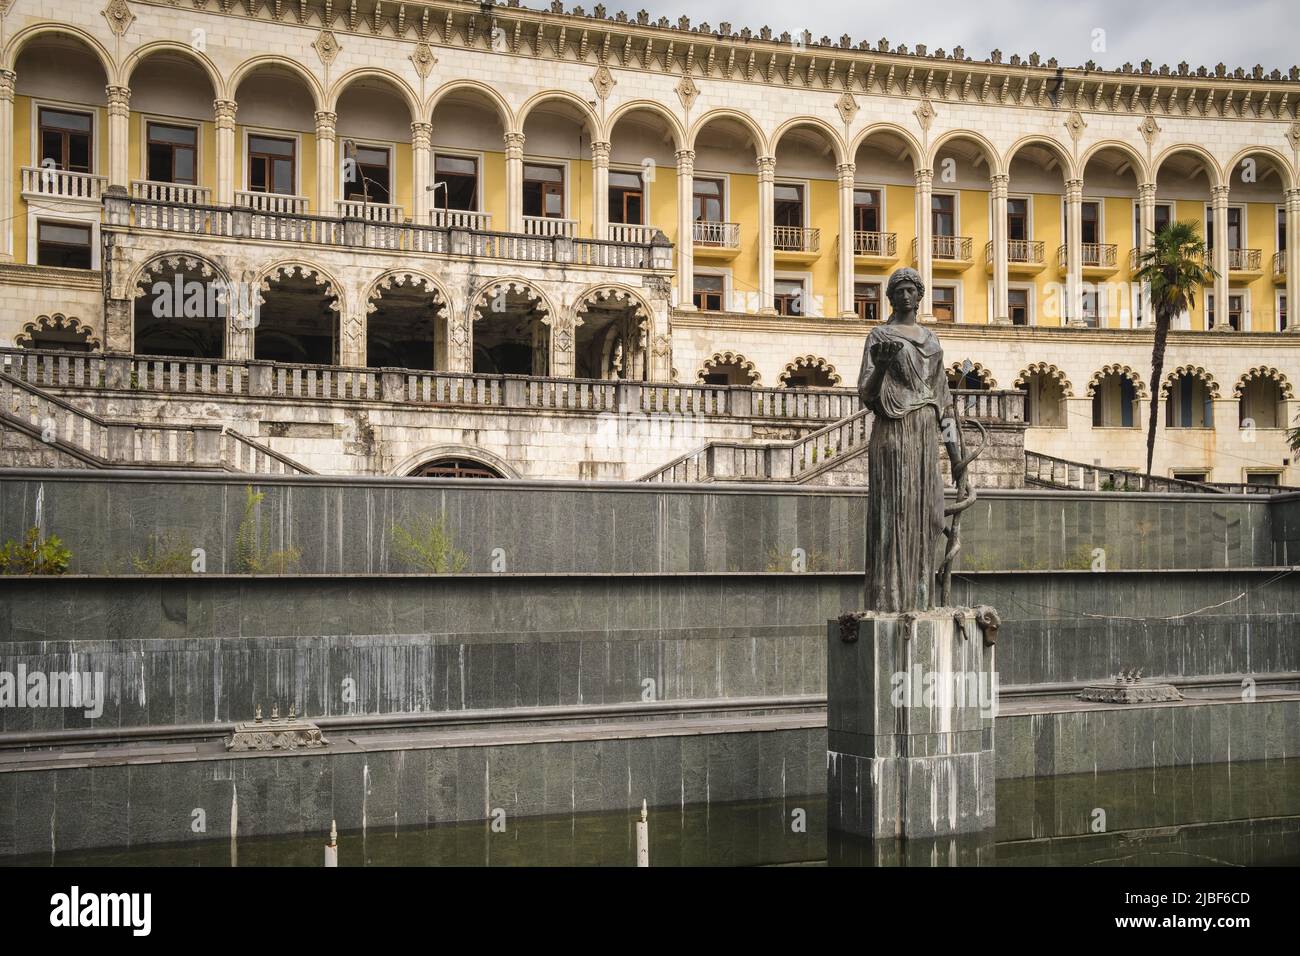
(1047, 212)
(823, 214)
(493, 199)
(402, 192)
(1261, 234)
(1117, 229)
(743, 209)
(662, 208)
(1193, 210)
(22, 157)
(973, 221)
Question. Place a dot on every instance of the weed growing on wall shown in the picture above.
(427, 546)
(253, 554)
(34, 556)
(164, 554)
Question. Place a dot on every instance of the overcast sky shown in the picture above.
(1202, 32)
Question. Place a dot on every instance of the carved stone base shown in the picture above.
(910, 705)
(275, 734)
(1130, 689)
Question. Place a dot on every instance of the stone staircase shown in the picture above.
(38, 429)
(834, 454)
(1045, 471)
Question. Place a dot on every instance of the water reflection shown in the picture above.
(1219, 814)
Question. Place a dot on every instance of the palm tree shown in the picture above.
(1172, 270)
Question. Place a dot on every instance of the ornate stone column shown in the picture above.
(766, 237)
(1001, 314)
(846, 173)
(1146, 229)
(686, 230)
(327, 162)
(1219, 209)
(224, 113)
(423, 196)
(1074, 252)
(1292, 258)
(515, 182)
(119, 114)
(600, 190)
(924, 240)
(7, 80)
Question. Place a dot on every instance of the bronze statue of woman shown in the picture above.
(904, 384)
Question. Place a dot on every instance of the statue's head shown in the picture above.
(905, 290)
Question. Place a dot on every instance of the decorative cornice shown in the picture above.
(869, 69)
(12, 273)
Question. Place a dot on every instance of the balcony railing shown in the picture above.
(546, 226)
(1022, 251)
(1244, 260)
(462, 219)
(1095, 255)
(47, 181)
(883, 244)
(724, 234)
(244, 222)
(369, 211)
(629, 232)
(1279, 263)
(222, 377)
(272, 202)
(170, 192)
(796, 239)
(948, 247)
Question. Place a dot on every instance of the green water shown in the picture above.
(1219, 814)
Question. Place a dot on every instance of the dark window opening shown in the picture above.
(626, 198)
(63, 244)
(459, 176)
(66, 140)
(708, 293)
(866, 210)
(367, 175)
(271, 165)
(172, 153)
(543, 191)
(866, 301)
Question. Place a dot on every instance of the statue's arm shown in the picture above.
(870, 377)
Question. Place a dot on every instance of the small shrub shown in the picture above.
(252, 550)
(428, 546)
(164, 555)
(33, 556)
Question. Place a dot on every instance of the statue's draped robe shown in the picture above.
(905, 486)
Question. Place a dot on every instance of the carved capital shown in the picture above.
(421, 135)
(1074, 190)
(924, 177)
(998, 183)
(1219, 195)
(325, 123)
(224, 113)
(514, 145)
(119, 100)
(766, 169)
(1146, 192)
(600, 155)
(685, 162)
(7, 80)
(846, 173)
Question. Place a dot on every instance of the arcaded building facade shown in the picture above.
(256, 191)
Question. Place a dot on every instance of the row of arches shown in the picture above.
(382, 102)
(186, 305)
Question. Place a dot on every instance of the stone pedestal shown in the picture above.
(910, 707)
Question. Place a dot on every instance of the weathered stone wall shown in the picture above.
(347, 526)
(20, 449)
(1000, 465)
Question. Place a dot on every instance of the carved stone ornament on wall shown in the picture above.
(119, 16)
(847, 107)
(423, 59)
(1075, 124)
(925, 113)
(1149, 128)
(604, 82)
(563, 335)
(687, 92)
(327, 47)
(1293, 135)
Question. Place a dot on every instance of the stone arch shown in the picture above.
(611, 335)
(1124, 371)
(504, 113)
(1283, 165)
(252, 65)
(398, 84)
(1140, 169)
(473, 453)
(914, 148)
(821, 126)
(589, 116)
(991, 155)
(744, 119)
(720, 360)
(25, 36)
(200, 59)
(512, 325)
(1212, 169)
(957, 373)
(1194, 371)
(1050, 371)
(409, 330)
(647, 106)
(149, 270)
(1263, 372)
(1046, 142)
(69, 331)
(813, 364)
(286, 329)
